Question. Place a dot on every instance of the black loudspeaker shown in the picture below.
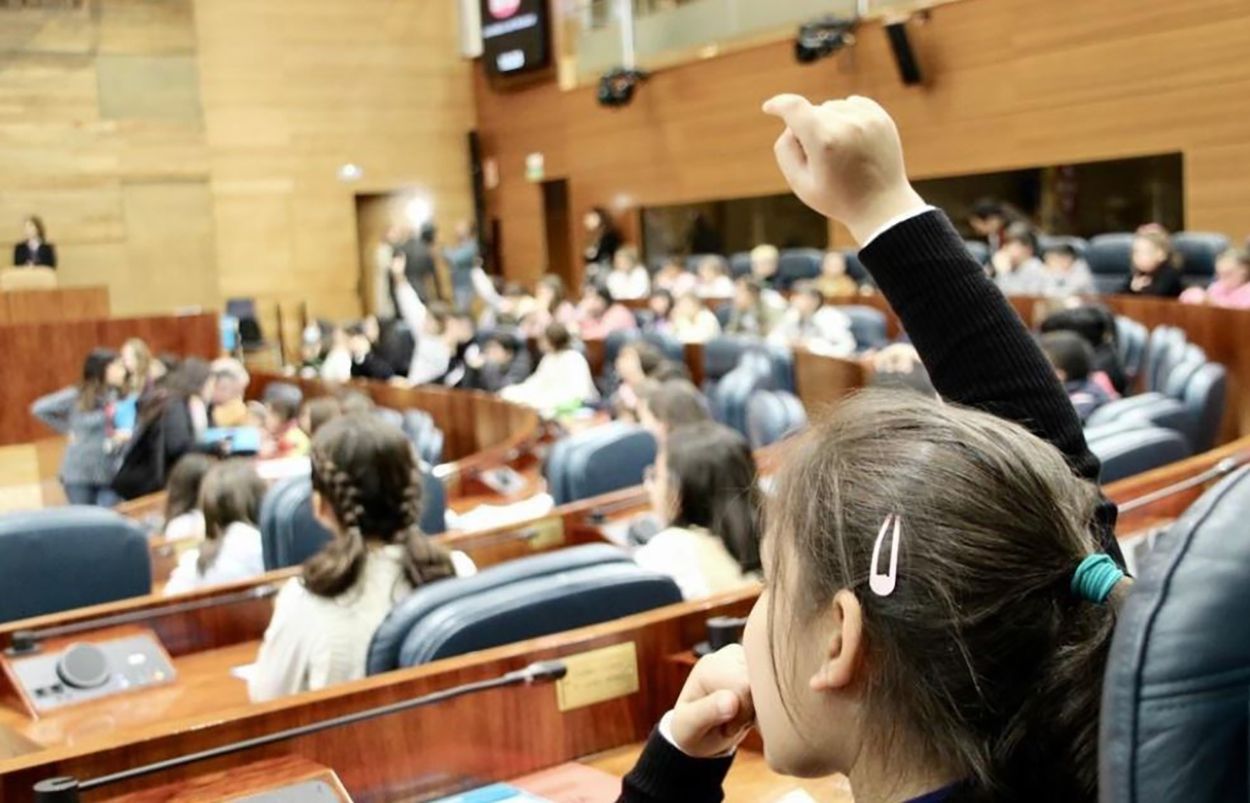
(904, 56)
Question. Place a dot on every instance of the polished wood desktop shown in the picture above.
(43, 357)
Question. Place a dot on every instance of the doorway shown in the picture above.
(376, 213)
(558, 231)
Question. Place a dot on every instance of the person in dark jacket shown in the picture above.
(419, 265)
(503, 361)
(938, 608)
(172, 419)
(84, 413)
(1155, 271)
(34, 250)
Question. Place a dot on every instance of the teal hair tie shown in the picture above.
(1095, 578)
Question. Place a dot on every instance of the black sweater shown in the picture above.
(979, 354)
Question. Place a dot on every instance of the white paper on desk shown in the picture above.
(244, 673)
(488, 517)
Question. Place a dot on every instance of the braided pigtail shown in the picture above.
(424, 560)
(336, 568)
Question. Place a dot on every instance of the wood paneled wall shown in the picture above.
(1014, 83)
(185, 151)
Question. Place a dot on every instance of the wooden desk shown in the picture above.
(54, 306)
(43, 357)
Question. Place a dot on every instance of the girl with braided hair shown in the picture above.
(367, 493)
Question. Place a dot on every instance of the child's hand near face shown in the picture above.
(714, 710)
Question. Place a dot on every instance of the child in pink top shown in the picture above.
(1231, 287)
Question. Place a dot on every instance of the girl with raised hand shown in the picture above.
(935, 621)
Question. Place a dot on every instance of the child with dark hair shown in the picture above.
(1096, 325)
(367, 491)
(503, 361)
(1017, 269)
(84, 413)
(1066, 273)
(667, 405)
(230, 499)
(703, 488)
(318, 412)
(1073, 361)
(938, 605)
(184, 521)
(284, 436)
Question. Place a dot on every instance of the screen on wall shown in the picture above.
(514, 35)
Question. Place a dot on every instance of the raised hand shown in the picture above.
(843, 158)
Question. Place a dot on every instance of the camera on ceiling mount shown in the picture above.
(823, 37)
(616, 88)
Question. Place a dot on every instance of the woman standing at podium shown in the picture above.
(34, 250)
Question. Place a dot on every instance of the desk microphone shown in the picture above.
(66, 789)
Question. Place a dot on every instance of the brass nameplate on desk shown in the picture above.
(598, 675)
(546, 534)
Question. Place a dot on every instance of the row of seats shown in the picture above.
(1179, 414)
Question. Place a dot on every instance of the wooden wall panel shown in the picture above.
(1015, 83)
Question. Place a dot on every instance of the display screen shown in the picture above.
(514, 35)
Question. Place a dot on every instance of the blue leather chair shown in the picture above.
(772, 415)
(1131, 341)
(516, 601)
(600, 460)
(1179, 374)
(855, 269)
(1167, 348)
(1204, 398)
(868, 325)
(1176, 700)
(433, 505)
(289, 532)
(1049, 242)
(797, 264)
(781, 358)
(740, 264)
(1139, 412)
(1126, 454)
(669, 346)
(728, 400)
(425, 436)
(393, 417)
(1198, 251)
(721, 355)
(67, 557)
(1110, 259)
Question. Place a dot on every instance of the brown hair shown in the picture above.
(1158, 237)
(231, 492)
(93, 389)
(138, 382)
(557, 336)
(366, 471)
(981, 661)
(37, 222)
(675, 403)
(182, 492)
(321, 411)
(555, 284)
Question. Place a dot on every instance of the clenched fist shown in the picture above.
(714, 710)
(843, 158)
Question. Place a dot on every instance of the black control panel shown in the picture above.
(92, 670)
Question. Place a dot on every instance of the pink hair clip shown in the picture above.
(883, 584)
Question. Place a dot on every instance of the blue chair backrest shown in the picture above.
(428, 601)
(433, 505)
(1126, 454)
(598, 461)
(1144, 409)
(740, 264)
(721, 355)
(728, 400)
(1167, 348)
(723, 313)
(1204, 399)
(1049, 242)
(781, 359)
(1176, 702)
(868, 325)
(855, 269)
(1110, 259)
(393, 417)
(1198, 251)
(772, 415)
(797, 264)
(669, 346)
(425, 435)
(1131, 340)
(1192, 358)
(68, 557)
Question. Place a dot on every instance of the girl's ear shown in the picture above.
(844, 645)
(323, 512)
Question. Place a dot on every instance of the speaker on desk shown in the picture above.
(904, 55)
